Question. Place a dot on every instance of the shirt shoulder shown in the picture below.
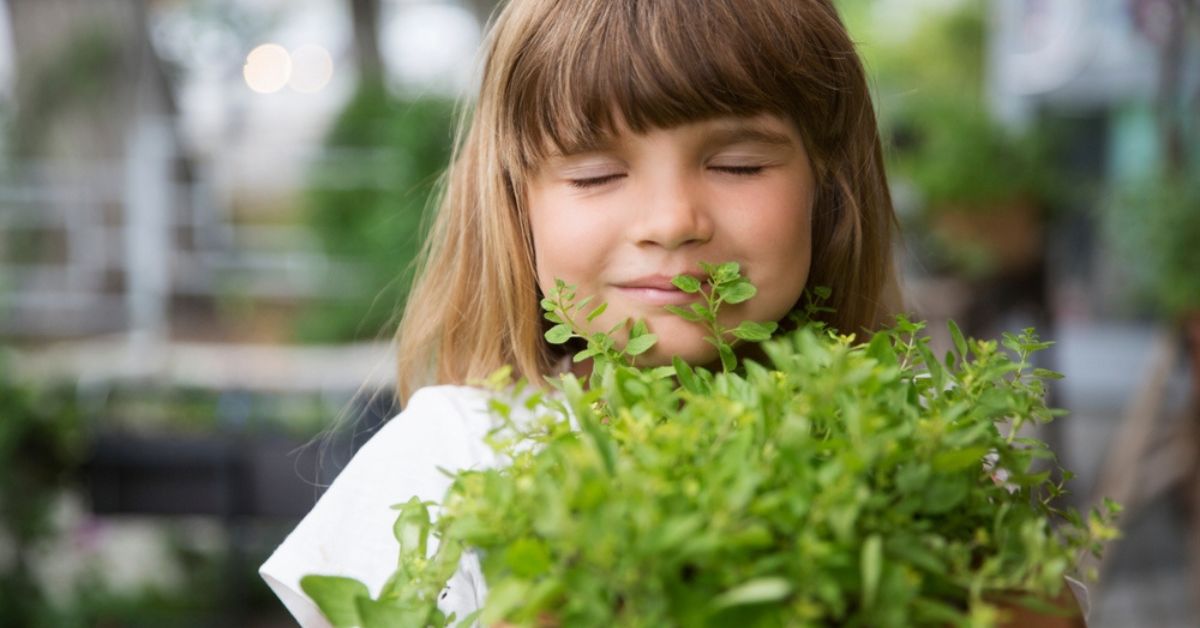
(349, 530)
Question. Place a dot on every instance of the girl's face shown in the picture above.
(619, 220)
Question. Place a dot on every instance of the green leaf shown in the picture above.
(686, 377)
(1047, 374)
(871, 563)
(726, 272)
(728, 360)
(757, 591)
(960, 344)
(754, 332)
(738, 292)
(932, 365)
(912, 477)
(687, 283)
(597, 312)
(412, 527)
(336, 596)
(558, 334)
(502, 600)
(881, 349)
(934, 612)
(944, 493)
(527, 557)
(957, 459)
(686, 315)
(662, 372)
(379, 614)
(911, 550)
(641, 344)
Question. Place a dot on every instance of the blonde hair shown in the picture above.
(558, 74)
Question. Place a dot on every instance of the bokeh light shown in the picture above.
(312, 67)
(268, 68)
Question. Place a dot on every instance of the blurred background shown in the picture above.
(208, 209)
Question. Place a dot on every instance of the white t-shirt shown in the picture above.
(349, 531)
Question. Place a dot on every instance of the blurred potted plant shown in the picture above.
(980, 188)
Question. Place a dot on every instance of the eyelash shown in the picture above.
(594, 181)
(743, 171)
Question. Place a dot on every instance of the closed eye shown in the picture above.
(739, 170)
(592, 182)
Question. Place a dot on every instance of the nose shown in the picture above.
(675, 214)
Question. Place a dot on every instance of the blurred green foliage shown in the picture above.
(944, 140)
(1154, 225)
(41, 447)
(939, 47)
(368, 202)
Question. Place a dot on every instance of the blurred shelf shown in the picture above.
(219, 366)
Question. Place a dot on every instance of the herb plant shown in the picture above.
(840, 482)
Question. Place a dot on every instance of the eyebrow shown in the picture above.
(592, 144)
(743, 133)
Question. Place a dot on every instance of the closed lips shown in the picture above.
(657, 282)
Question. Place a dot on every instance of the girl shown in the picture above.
(614, 144)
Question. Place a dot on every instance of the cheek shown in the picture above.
(561, 239)
(776, 243)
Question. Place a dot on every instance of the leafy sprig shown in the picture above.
(725, 285)
(560, 308)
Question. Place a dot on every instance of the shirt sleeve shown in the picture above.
(349, 531)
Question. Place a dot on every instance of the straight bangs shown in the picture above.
(587, 66)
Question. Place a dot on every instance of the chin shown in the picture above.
(699, 353)
(677, 337)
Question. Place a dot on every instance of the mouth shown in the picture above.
(655, 295)
(657, 290)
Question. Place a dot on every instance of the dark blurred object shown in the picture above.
(243, 479)
(195, 476)
(365, 16)
(230, 475)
